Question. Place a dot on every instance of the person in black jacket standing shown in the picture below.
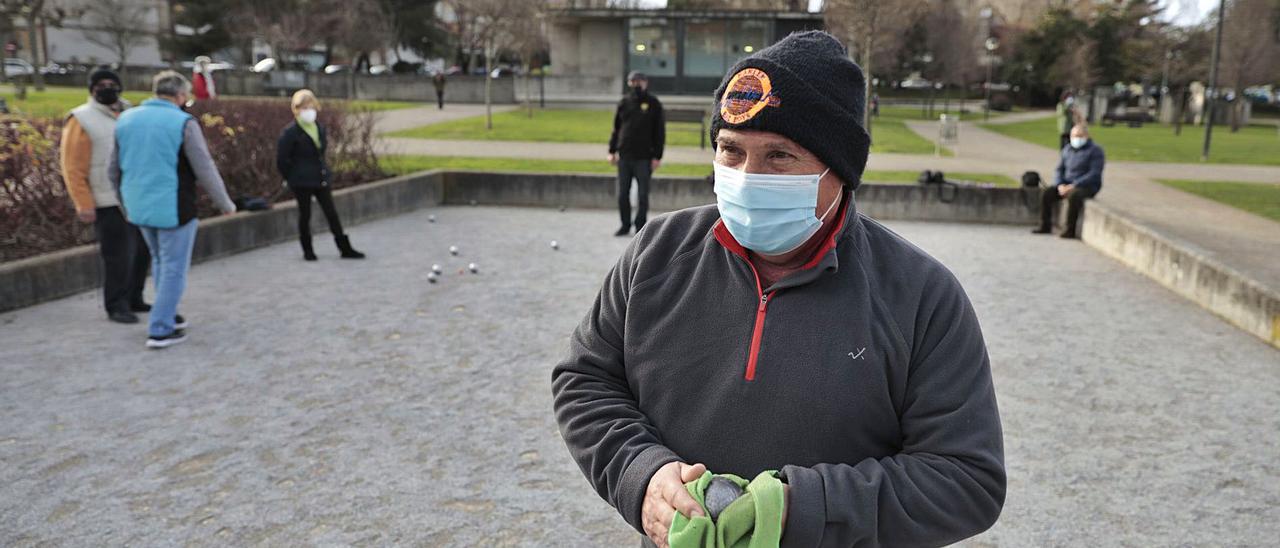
(635, 147)
(300, 159)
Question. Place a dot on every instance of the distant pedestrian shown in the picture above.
(639, 135)
(300, 159)
(875, 105)
(88, 138)
(202, 80)
(160, 157)
(1066, 117)
(1077, 178)
(439, 81)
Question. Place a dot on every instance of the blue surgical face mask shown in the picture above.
(1078, 142)
(769, 214)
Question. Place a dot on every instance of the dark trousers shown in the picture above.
(324, 197)
(124, 260)
(440, 98)
(1075, 202)
(641, 170)
(1063, 140)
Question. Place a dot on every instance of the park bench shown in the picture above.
(1133, 119)
(691, 115)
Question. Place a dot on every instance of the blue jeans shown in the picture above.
(170, 259)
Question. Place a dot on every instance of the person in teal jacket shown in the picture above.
(160, 157)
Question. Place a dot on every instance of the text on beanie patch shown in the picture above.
(748, 92)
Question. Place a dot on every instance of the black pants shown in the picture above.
(325, 198)
(1063, 140)
(125, 260)
(1075, 201)
(641, 170)
(440, 98)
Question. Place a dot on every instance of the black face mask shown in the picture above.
(107, 96)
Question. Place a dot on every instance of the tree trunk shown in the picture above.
(33, 43)
(528, 89)
(1181, 112)
(488, 85)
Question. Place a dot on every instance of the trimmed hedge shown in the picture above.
(36, 215)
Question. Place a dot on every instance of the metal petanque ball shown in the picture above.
(555, 245)
(473, 268)
(720, 493)
(435, 269)
(453, 250)
(431, 277)
(431, 218)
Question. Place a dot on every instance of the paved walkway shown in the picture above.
(409, 118)
(355, 404)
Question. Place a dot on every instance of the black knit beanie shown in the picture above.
(807, 89)
(103, 73)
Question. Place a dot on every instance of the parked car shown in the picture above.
(265, 65)
(378, 70)
(336, 69)
(18, 67)
(501, 71)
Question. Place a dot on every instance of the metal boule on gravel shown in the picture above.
(473, 268)
(555, 245)
(453, 250)
(435, 268)
(431, 218)
(431, 277)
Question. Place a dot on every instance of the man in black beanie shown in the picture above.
(88, 137)
(782, 330)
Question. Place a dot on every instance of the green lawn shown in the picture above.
(1257, 198)
(400, 165)
(56, 101)
(594, 126)
(1258, 144)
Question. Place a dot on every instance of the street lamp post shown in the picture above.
(928, 106)
(1211, 95)
(991, 45)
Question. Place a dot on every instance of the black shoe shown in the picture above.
(623, 231)
(1041, 230)
(140, 307)
(348, 252)
(307, 253)
(122, 316)
(179, 322)
(1069, 235)
(166, 341)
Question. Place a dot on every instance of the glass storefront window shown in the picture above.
(746, 36)
(704, 47)
(651, 47)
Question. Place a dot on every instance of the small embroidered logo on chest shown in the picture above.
(644, 107)
(859, 355)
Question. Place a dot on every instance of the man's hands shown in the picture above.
(87, 215)
(653, 164)
(613, 158)
(665, 493)
(1063, 190)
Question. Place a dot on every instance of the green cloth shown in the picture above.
(752, 521)
(311, 129)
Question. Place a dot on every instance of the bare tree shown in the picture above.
(36, 13)
(1249, 48)
(119, 26)
(528, 40)
(954, 39)
(868, 26)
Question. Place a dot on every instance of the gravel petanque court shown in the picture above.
(355, 403)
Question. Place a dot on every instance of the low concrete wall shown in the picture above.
(1239, 300)
(881, 201)
(54, 275)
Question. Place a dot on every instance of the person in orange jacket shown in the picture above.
(88, 137)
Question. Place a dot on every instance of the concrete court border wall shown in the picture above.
(1225, 292)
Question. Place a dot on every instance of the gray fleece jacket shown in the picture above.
(863, 378)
